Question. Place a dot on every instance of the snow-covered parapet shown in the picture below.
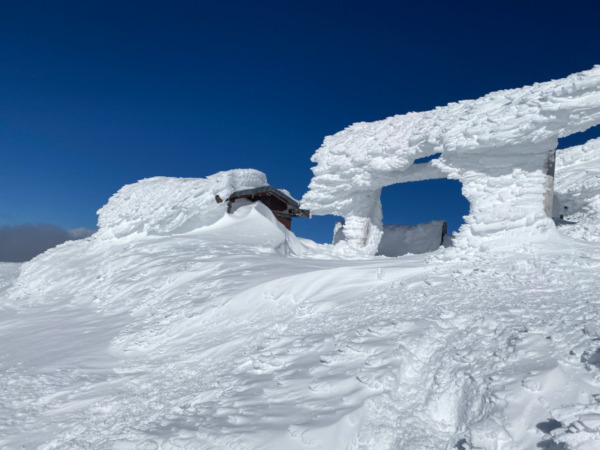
(163, 205)
(499, 146)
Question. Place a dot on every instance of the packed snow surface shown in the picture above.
(178, 325)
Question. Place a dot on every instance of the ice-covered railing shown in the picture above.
(498, 146)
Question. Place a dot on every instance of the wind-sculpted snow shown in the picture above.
(498, 146)
(162, 205)
(217, 339)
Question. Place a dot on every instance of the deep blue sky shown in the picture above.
(95, 95)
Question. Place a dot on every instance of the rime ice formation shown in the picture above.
(499, 146)
(163, 205)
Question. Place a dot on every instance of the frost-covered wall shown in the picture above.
(498, 146)
(163, 205)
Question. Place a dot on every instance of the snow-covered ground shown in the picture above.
(223, 337)
(178, 325)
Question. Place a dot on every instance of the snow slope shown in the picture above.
(238, 334)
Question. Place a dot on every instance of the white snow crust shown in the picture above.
(180, 326)
(497, 146)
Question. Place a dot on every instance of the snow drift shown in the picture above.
(499, 146)
(163, 205)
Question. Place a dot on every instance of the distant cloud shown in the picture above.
(80, 233)
(22, 242)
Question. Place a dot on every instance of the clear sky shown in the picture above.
(95, 95)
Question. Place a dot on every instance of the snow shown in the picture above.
(163, 205)
(497, 146)
(178, 325)
(220, 338)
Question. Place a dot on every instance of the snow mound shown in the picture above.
(577, 190)
(498, 146)
(163, 205)
(253, 224)
(250, 228)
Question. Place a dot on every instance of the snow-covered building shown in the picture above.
(281, 204)
(500, 147)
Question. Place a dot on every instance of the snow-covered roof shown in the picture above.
(270, 190)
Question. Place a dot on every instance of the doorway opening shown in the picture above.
(420, 216)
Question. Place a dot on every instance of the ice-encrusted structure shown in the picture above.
(500, 147)
(165, 205)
